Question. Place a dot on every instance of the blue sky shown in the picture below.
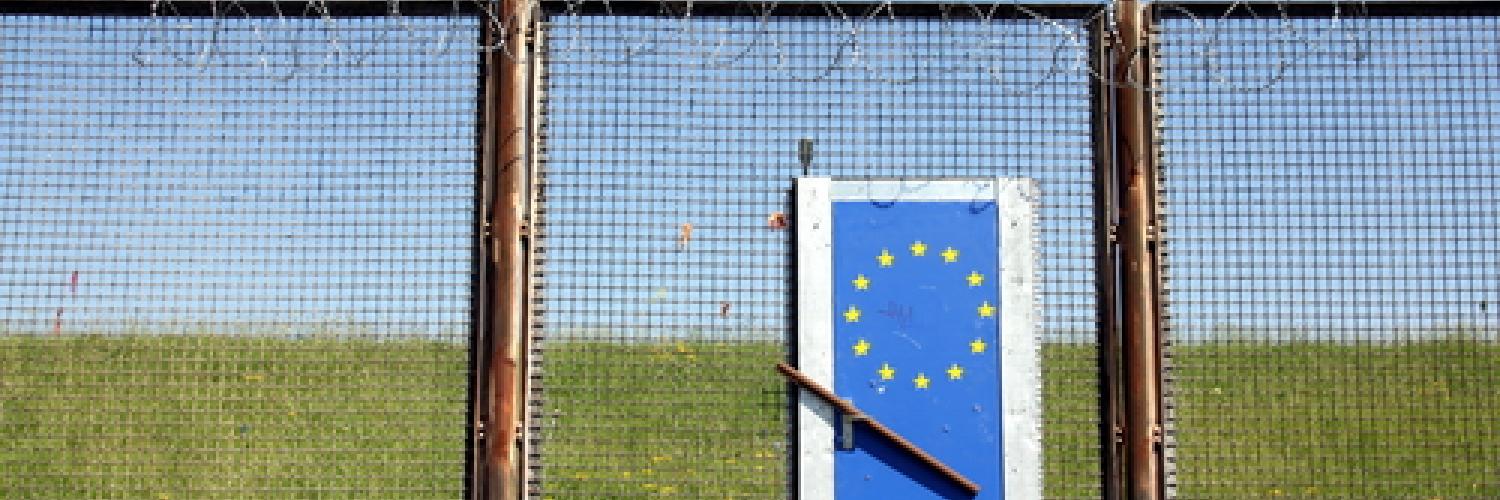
(232, 175)
(1332, 180)
(656, 123)
(1323, 175)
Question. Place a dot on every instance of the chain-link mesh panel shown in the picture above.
(235, 256)
(1329, 185)
(664, 265)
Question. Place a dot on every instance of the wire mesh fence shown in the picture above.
(234, 263)
(1329, 182)
(663, 277)
(237, 250)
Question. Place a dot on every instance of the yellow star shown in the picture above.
(886, 372)
(885, 258)
(955, 372)
(950, 255)
(861, 282)
(985, 310)
(852, 315)
(977, 346)
(861, 348)
(922, 381)
(975, 279)
(918, 249)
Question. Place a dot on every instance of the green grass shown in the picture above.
(710, 421)
(224, 417)
(189, 417)
(693, 420)
(1320, 420)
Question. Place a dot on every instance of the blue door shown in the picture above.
(916, 338)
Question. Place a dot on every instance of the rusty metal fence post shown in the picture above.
(1110, 421)
(1136, 266)
(505, 142)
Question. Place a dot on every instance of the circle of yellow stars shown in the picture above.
(886, 259)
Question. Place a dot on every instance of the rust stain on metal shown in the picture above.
(684, 234)
(776, 220)
(506, 81)
(1137, 280)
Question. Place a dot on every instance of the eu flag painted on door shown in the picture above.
(916, 337)
(916, 302)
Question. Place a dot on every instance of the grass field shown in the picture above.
(1320, 420)
(189, 417)
(224, 417)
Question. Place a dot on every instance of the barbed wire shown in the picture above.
(872, 37)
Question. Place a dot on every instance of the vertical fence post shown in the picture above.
(479, 301)
(1135, 171)
(1102, 123)
(505, 143)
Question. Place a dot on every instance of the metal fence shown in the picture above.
(663, 278)
(234, 264)
(251, 249)
(1329, 179)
